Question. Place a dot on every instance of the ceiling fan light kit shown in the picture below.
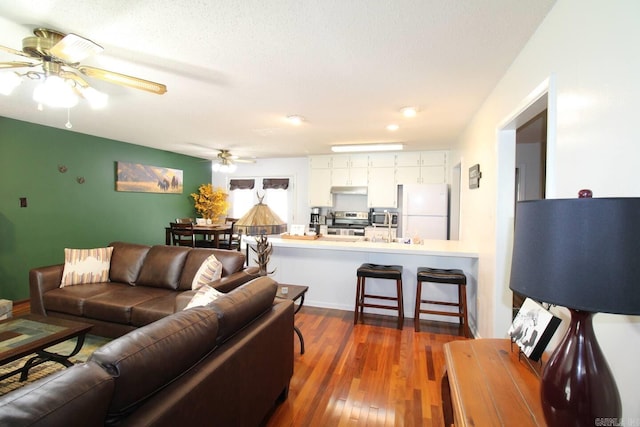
(60, 85)
(224, 167)
(54, 92)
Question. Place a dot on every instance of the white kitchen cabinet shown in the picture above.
(320, 187)
(382, 160)
(380, 172)
(421, 167)
(383, 190)
(319, 190)
(340, 176)
(350, 161)
(349, 170)
(349, 176)
(408, 174)
(320, 162)
(408, 158)
(433, 175)
(358, 176)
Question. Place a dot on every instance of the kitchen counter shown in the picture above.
(444, 248)
(328, 266)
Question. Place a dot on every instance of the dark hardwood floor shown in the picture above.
(369, 374)
(21, 307)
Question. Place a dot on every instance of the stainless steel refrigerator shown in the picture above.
(424, 211)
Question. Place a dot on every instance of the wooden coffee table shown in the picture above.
(294, 292)
(32, 333)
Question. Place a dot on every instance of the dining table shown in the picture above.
(210, 231)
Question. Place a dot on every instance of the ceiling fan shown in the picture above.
(227, 161)
(59, 55)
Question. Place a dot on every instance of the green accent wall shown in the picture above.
(61, 213)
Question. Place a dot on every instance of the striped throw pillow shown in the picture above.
(86, 266)
(210, 270)
(203, 296)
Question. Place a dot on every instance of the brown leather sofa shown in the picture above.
(227, 363)
(145, 282)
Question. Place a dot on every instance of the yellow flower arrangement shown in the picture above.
(211, 203)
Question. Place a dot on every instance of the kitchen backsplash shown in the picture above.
(349, 202)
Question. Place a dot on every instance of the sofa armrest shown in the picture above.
(41, 281)
(232, 281)
(78, 396)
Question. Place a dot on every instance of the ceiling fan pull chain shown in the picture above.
(68, 125)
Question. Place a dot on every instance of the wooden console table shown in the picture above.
(486, 384)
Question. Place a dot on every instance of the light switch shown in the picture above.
(23, 202)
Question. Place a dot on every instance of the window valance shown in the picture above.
(275, 183)
(242, 184)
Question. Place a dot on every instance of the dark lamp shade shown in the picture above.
(582, 254)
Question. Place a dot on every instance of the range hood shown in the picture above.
(348, 189)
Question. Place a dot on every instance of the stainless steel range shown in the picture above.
(348, 223)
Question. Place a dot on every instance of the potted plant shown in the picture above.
(211, 202)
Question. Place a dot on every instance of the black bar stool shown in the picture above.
(450, 277)
(391, 272)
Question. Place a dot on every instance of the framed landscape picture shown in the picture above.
(141, 178)
(532, 328)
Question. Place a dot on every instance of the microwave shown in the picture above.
(379, 218)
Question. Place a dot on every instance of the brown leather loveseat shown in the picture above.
(227, 364)
(144, 284)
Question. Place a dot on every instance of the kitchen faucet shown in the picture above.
(387, 218)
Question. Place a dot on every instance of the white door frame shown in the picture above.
(542, 97)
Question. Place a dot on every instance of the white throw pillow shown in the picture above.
(210, 270)
(204, 296)
(86, 266)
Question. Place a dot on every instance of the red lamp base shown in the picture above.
(577, 384)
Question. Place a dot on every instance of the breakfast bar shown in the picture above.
(328, 266)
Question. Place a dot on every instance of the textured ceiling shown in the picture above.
(235, 68)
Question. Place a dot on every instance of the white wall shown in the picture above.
(296, 169)
(588, 51)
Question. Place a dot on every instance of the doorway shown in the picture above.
(542, 98)
(531, 159)
(531, 170)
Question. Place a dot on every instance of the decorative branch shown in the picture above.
(263, 250)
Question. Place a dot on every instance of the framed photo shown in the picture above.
(474, 176)
(141, 178)
(532, 329)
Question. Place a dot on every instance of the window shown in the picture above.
(242, 196)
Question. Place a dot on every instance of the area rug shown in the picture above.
(91, 343)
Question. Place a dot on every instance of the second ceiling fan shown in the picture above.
(226, 162)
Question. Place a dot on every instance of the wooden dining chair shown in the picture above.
(230, 239)
(184, 220)
(182, 234)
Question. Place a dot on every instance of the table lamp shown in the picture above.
(261, 221)
(582, 254)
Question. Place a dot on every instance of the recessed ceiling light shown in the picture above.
(409, 111)
(393, 127)
(295, 120)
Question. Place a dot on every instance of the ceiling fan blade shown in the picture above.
(73, 48)
(15, 52)
(243, 160)
(123, 79)
(17, 64)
